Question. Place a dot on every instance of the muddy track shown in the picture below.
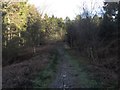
(69, 74)
(64, 77)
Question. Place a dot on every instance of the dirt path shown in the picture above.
(55, 66)
(69, 74)
(64, 77)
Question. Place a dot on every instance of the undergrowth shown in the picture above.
(45, 76)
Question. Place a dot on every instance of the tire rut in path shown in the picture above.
(66, 74)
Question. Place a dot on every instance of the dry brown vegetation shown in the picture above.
(21, 74)
(106, 76)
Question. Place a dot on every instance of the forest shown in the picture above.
(41, 51)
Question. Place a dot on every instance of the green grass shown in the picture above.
(87, 77)
(45, 77)
(80, 63)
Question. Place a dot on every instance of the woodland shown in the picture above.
(35, 46)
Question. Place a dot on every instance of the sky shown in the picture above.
(64, 8)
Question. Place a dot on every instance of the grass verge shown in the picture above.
(45, 77)
(81, 66)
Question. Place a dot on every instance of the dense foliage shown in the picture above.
(97, 37)
(23, 27)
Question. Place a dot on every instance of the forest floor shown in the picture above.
(56, 66)
(70, 72)
(22, 74)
